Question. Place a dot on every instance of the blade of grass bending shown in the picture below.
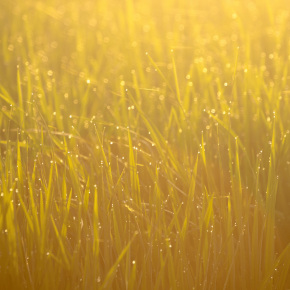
(6, 97)
(111, 274)
(66, 261)
(51, 255)
(174, 220)
(285, 270)
(8, 115)
(284, 256)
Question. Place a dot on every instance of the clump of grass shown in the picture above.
(141, 148)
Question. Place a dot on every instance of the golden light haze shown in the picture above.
(144, 144)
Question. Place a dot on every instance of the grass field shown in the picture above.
(144, 144)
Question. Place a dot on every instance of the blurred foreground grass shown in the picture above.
(144, 144)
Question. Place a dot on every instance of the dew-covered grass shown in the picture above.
(144, 144)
